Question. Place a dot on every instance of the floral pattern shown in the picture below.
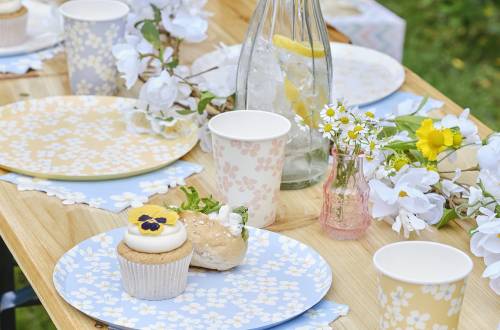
(112, 195)
(91, 65)
(81, 137)
(249, 173)
(411, 306)
(279, 279)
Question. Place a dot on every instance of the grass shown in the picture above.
(33, 317)
(454, 45)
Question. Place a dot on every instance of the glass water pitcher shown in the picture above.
(285, 67)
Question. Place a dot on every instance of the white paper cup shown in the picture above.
(421, 284)
(91, 28)
(249, 152)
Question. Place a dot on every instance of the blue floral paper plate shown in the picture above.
(279, 279)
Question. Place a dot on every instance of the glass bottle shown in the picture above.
(285, 67)
(345, 214)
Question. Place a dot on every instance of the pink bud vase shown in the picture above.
(345, 214)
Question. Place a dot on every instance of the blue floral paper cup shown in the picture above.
(91, 28)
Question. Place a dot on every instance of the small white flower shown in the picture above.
(439, 327)
(159, 92)
(445, 291)
(455, 306)
(154, 187)
(129, 199)
(417, 319)
(128, 59)
(188, 22)
(467, 128)
(400, 297)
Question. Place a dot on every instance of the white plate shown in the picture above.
(362, 75)
(279, 279)
(44, 30)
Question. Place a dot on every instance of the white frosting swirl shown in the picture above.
(9, 6)
(170, 239)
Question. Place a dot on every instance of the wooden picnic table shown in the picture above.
(39, 229)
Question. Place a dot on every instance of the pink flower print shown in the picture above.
(229, 169)
(264, 164)
(235, 144)
(218, 149)
(226, 183)
(250, 148)
(276, 146)
(278, 167)
(246, 183)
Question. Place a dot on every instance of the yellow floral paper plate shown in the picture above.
(81, 138)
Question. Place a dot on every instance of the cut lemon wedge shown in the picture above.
(297, 47)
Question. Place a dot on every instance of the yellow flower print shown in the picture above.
(432, 141)
(151, 219)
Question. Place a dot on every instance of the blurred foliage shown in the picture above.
(33, 317)
(455, 46)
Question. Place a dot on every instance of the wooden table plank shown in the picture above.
(39, 229)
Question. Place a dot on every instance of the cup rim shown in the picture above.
(63, 10)
(404, 279)
(217, 132)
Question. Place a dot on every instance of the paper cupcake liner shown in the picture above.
(154, 282)
(13, 30)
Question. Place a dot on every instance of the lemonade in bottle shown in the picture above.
(285, 67)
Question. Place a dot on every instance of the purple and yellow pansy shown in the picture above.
(151, 219)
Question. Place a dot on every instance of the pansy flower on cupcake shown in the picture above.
(155, 250)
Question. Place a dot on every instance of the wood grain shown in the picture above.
(38, 229)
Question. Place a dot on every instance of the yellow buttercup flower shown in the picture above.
(151, 219)
(432, 141)
(457, 140)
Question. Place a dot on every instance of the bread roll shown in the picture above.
(214, 245)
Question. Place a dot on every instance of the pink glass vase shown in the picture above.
(345, 214)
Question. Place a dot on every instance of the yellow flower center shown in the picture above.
(436, 138)
(372, 145)
(457, 140)
(344, 120)
(327, 128)
(431, 167)
(358, 128)
(369, 114)
(403, 193)
(352, 134)
(330, 112)
(341, 108)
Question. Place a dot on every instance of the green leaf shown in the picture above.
(409, 123)
(151, 33)
(157, 13)
(210, 205)
(448, 215)
(387, 131)
(205, 99)
(243, 211)
(185, 112)
(400, 146)
(173, 64)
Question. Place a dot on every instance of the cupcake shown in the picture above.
(13, 22)
(155, 253)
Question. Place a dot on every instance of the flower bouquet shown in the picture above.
(172, 95)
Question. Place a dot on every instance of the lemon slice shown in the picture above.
(297, 47)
